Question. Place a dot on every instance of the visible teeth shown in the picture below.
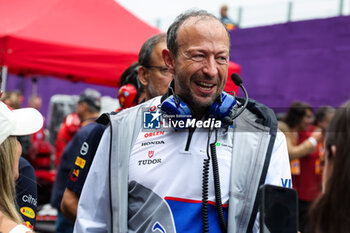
(204, 88)
(206, 84)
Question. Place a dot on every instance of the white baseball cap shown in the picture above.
(19, 122)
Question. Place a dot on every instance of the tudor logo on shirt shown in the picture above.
(149, 161)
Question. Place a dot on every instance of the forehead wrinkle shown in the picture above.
(191, 30)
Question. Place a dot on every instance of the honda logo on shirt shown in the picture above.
(150, 153)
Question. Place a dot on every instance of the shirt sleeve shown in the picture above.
(278, 172)
(84, 160)
(67, 162)
(94, 204)
(27, 193)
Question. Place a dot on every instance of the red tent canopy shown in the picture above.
(85, 40)
(92, 41)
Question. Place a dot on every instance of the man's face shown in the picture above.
(158, 74)
(306, 121)
(201, 63)
(81, 109)
(223, 12)
(36, 103)
(324, 124)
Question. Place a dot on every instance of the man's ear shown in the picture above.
(143, 76)
(169, 60)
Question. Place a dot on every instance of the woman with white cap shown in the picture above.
(13, 123)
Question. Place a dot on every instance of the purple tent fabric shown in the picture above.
(306, 61)
(49, 86)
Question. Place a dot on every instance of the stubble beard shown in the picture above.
(196, 103)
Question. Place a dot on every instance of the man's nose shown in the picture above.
(210, 67)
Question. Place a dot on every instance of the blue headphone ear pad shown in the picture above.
(220, 111)
(179, 111)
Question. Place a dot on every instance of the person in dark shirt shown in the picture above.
(88, 107)
(80, 171)
(27, 193)
(14, 123)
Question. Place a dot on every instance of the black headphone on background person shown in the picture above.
(224, 107)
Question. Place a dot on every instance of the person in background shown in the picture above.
(330, 212)
(67, 130)
(13, 123)
(154, 83)
(88, 109)
(131, 92)
(310, 178)
(299, 118)
(14, 99)
(26, 185)
(35, 101)
(27, 193)
(153, 74)
(309, 181)
(229, 24)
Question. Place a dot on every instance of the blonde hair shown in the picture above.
(8, 150)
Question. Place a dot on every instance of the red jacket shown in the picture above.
(69, 127)
(309, 182)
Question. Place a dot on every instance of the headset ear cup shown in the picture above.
(176, 109)
(220, 111)
(128, 95)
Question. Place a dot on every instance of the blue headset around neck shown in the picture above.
(174, 107)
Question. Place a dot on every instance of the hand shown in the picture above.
(317, 134)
